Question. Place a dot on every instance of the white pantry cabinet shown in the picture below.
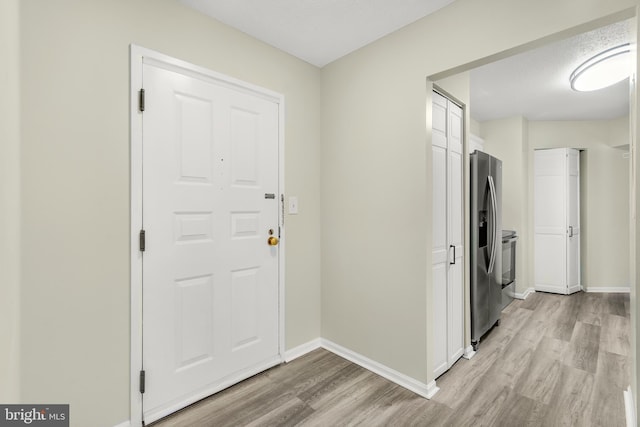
(557, 220)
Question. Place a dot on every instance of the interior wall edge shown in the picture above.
(10, 244)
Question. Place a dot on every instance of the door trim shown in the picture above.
(137, 56)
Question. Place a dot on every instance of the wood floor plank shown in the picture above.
(614, 368)
(482, 406)
(584, 347)
(607, 403)
(345, 405)
(521, 411)
(615, 335)
(615, 304)
(592, 309)
(336, 384)
(515, 319)
(606, 407)
(564, 317)
(627, 307)
(543, 374)
(513, 362)
(532, 301)
(412, 411)
(292, 413)
(304, 373)
(463, 377)
(552, 348)
(569, 402)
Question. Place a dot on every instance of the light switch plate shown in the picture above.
(293, 205)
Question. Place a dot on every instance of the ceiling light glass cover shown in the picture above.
(604, 69)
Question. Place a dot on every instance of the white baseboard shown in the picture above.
(606, 289)
(469, 352)
(525, 294)
(629, 409)
(302, 349)
(420, 388)
(431, 387)
(425, 390)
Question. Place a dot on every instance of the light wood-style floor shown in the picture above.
(554, 361)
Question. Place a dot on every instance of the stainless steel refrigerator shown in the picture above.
(486, 244)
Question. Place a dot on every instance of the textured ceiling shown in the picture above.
(317, 31)
(535, 84)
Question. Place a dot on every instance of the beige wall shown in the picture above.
(507, 139)
(604, 191)
(375, 156)
(75, 186)
(9, 202)
(475, 127)
(604, 194)
(375, 187)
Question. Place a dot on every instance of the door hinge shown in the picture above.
(141, 100)
(143, 241)
(142, 382)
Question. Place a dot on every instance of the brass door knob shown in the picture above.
(272, 241)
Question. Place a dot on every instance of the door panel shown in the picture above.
(550, 256)
(210, 285)
(456, 312)
(455, 234)
(550, 220)
(440, 320)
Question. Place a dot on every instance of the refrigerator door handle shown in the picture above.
(454, 254)
(494, 225)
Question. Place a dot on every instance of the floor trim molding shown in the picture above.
(469, 352)
(302, 349)
(525, 294)
(425, 390)
(629, 409)
(124, 424)
(611, 290)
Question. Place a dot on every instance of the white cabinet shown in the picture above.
(557, 220)
(448, 234)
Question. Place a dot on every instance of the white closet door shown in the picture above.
(448, 235)
(440, 246)
(556, 218)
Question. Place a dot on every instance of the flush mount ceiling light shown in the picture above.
(604, 69)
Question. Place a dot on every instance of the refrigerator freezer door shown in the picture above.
(486, 244)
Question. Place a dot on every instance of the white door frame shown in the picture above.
(138, 55)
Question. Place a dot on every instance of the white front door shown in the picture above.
(210, 203)
(557, 220)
